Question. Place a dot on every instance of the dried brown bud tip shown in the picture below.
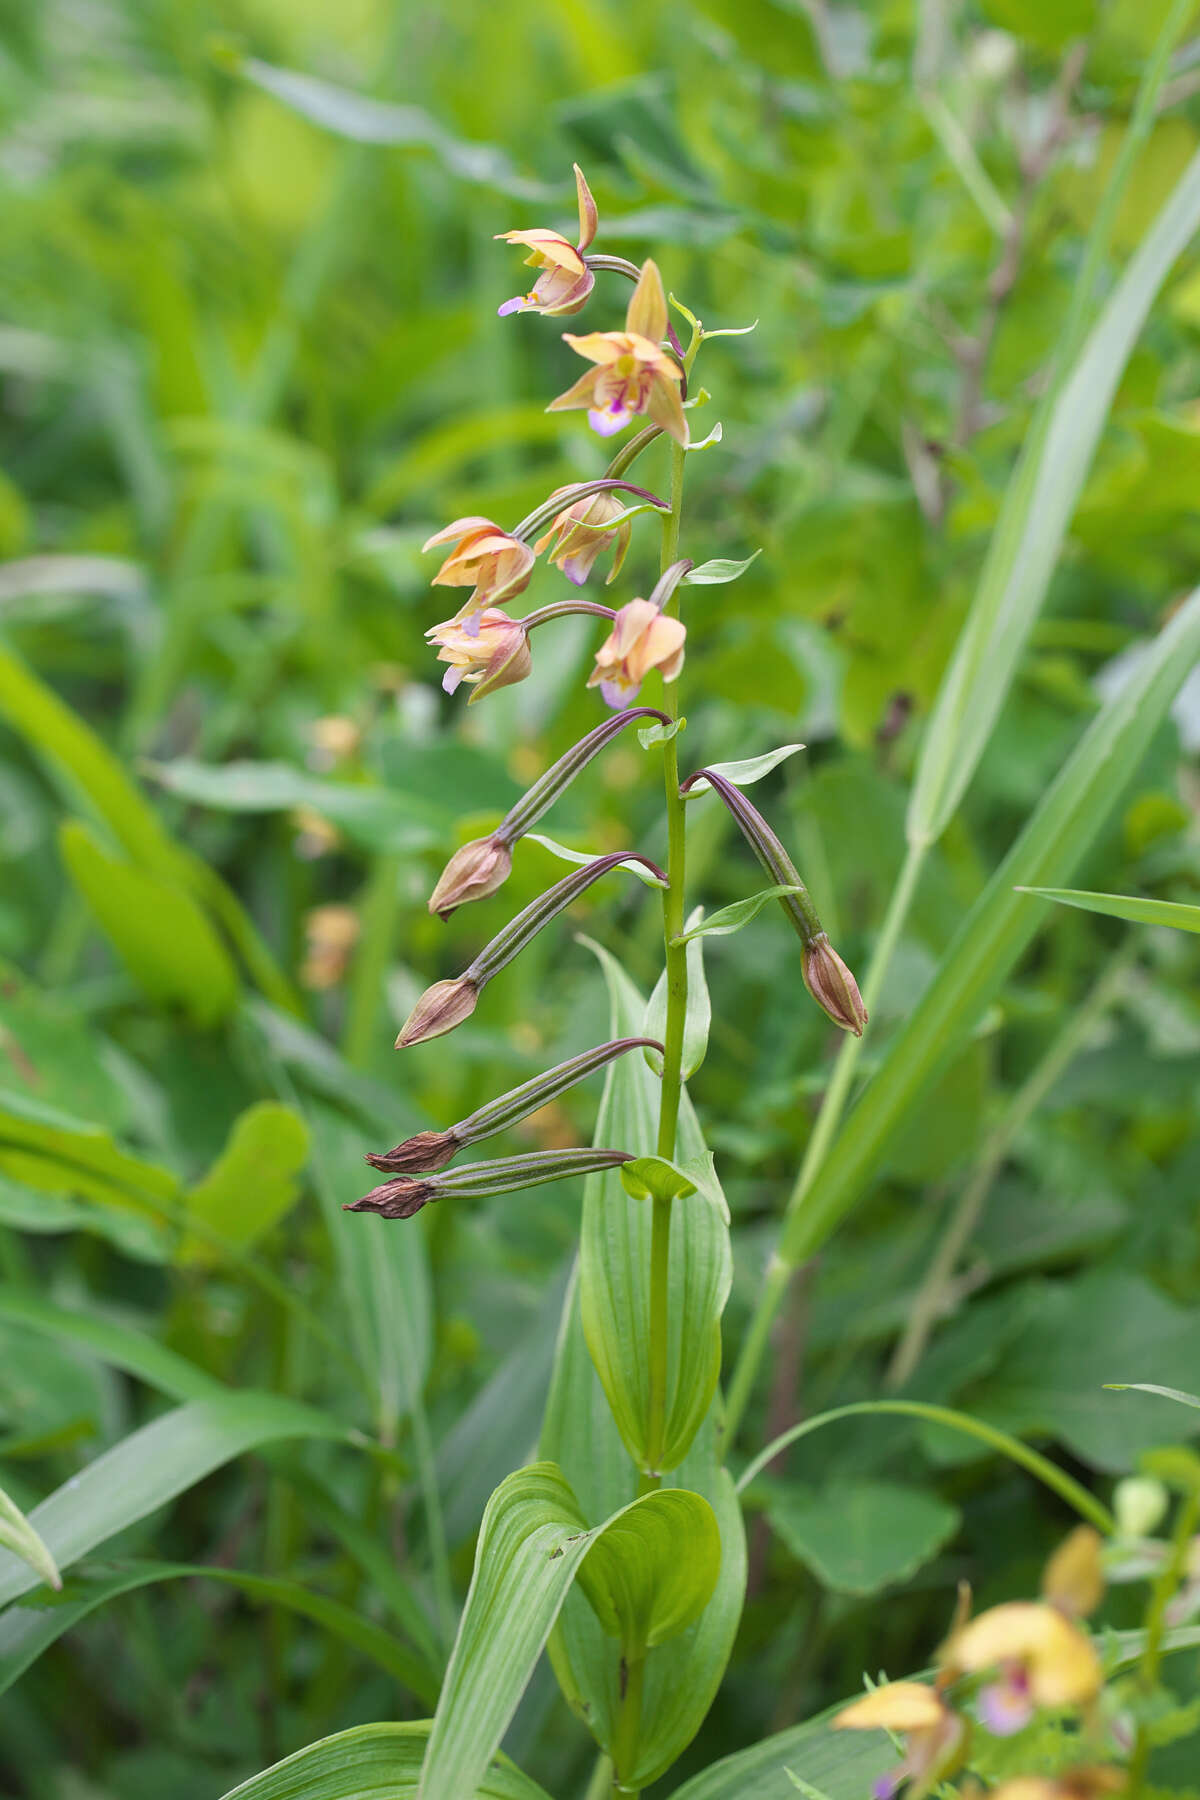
(832, 985)
(440, 1008)
(472, 873)
(398, 1199)
(423, 1154)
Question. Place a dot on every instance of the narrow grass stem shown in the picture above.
(780, 1268)
(677, 995)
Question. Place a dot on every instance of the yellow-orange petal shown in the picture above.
(589, 218)
(1073, 1579)
(457, 529)
(578, 394)
(647, 314)
(599, 346)
(547, 245)
(1061, 1663)
(896, 1706)
(665, 406)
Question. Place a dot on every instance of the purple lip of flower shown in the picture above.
(451, 680)
(574, 570)
(1005, 1706)
(615, 418)
(518, 303)
(617, 694)
(888, 1784)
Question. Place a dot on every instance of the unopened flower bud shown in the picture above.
(401, 1198)
(423, 1154)
(398, 1199)
(472, 873)
(1140, 1504)
(581, 531)
(440, 1008)
(429, 1151)
(832, 985)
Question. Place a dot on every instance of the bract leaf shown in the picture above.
(733, 917)
(719, 569)
(586, 856)
(748, 771)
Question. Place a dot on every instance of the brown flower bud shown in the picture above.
(398, 1199)
(423, 1154)
(832, 985)
(440, 1008)
(472, 873)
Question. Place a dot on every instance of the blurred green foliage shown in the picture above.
(247, 366)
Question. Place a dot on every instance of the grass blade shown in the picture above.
(152, 1466)
(1037, 509)
(1000, 926)
(1125, 906)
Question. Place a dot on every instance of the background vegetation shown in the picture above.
(248, 365)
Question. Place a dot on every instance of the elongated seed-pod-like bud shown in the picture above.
(432, 1150)
(440, 1008)
(484, 865)
(524, 928)
(472, 873)
(401, 1197)
(768, 849)
(546, 789)
(447, 1003)
(832, 985)
(826, 976)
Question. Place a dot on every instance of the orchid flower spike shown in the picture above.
(642, 638)
(494, 655)
(565, 280)
(934, 1736)
(493, 563)
(633, 373)
(580, 532)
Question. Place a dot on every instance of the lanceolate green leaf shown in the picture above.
(615, 1258)
(1125, 906)
(749, 770)
(157, 929)
(252, 1183)
(121, 1346)
(682, 1676)
(18, 1535)
(738, 913)
(152, 1466)
(999, 927)
(532, 1545)
(372, 1762)
(28, 1630)
(1037, 510)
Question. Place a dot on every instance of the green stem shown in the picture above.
(629, 1719)
(600, 1786)
(677, 996)
(1170, 1576)
(1064, 1485)
(779, 1269)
